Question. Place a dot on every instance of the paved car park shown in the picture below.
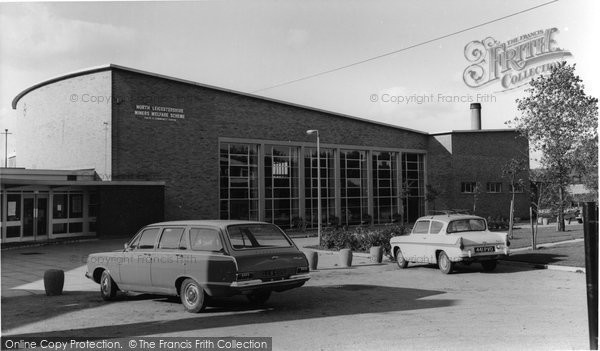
(367, 306)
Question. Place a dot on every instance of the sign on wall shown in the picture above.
(159, 113)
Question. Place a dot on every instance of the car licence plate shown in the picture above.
(485, 249)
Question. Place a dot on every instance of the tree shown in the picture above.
(431, 194)
(476, 192)
(514, 168)
(561, 121)
(540, 195)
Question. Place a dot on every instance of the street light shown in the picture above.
(6, 134)
(309, 132)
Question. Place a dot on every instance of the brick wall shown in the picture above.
(184, 152)
(477, 157)
(123, 210)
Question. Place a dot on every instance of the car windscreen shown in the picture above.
(466, 225)
(248, 236)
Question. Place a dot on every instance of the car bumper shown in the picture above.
(257, 284)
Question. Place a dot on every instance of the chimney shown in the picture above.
(476, 116)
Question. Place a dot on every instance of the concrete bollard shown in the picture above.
(313, 259)
(54, 280)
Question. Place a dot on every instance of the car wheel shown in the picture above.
(489, 266)
(193, 297)
(400, 261)
(108, 288)
(444, 263)
(259, 297)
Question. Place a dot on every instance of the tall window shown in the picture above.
(354, 195)
(385, 187)
(67, 213)
(311, 186)
(239, 181)
(281, 185)
(413, 176)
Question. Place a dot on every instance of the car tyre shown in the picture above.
(444, 263)
(193, 297)
(400, 261)
(108, 288)
(489, 266)
(259, 297)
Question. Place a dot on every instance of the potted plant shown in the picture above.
(346, 257)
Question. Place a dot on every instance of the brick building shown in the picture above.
(226, 154)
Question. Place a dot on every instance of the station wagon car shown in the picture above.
(448, 239)
(200, 259)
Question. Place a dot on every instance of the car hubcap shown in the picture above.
(444, 262)
(104, 285)
(191, 295)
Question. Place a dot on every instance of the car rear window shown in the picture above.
(466, 225)
(247, 236)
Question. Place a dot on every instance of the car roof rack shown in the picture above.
(450, 212)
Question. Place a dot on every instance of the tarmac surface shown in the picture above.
(368, 306)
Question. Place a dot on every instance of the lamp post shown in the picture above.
(315, 131)
(6, 134)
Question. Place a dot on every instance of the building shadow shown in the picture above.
(298, 304)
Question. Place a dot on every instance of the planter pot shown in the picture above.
(313, 259)
(376, 254)
(346, 257)
(54, 280)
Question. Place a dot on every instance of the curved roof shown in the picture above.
(117, 67)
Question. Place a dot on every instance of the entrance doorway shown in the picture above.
(35, 216)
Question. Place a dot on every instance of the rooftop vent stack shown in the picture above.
(476, 116)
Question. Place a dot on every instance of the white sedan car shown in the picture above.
(448, 239)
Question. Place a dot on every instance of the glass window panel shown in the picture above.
(436, 227)
(170, 238)
(205, 239)
(59, 228)
(59, 207)
(75, 205)
(76, 227)
(93, 204)
(421, 227)
(13, 231)
(148, 238)
(13, 212)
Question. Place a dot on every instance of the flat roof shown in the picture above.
(102, 183)
(475, 131)
(111, 66)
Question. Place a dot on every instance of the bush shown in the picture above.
(361, 238)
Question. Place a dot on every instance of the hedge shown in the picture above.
(361, 239)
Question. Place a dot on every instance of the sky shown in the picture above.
(396, 62)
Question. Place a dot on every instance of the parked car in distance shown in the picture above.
(448, 239)
(200, 259)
